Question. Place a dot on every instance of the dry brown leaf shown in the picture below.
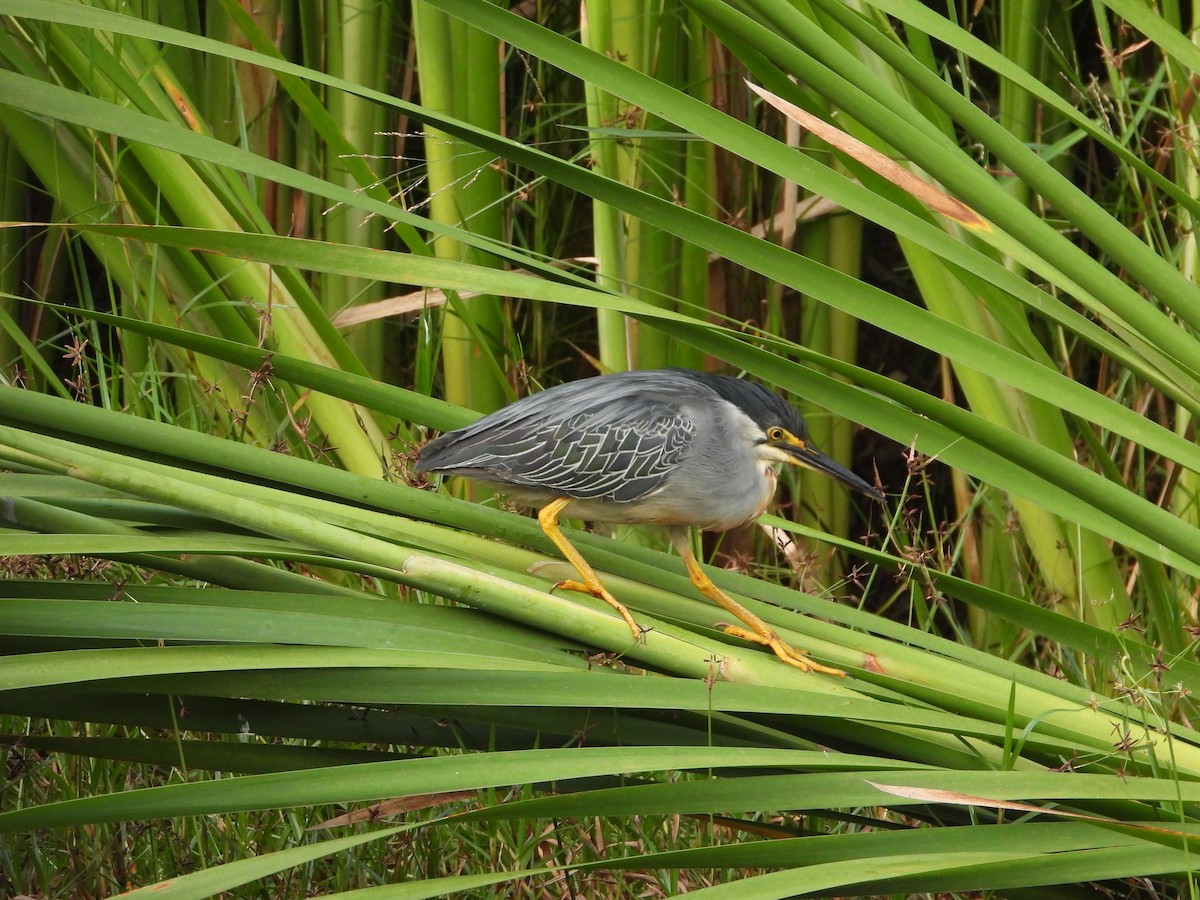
(392, 807)
(933, 197)
(935, 795)
(405, 304)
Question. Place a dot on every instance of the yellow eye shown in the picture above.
(776, 434)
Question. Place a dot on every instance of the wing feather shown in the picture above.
(617, 447)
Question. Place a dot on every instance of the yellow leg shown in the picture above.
(548, 519)
(759, 631)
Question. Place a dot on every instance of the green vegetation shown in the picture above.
(245, 653)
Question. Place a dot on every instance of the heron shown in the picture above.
(669, 447)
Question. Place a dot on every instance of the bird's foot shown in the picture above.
(600, 593)
(786, 652)
(570, 584)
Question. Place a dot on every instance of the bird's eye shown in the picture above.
(775, 434)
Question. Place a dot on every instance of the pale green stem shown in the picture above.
(452, 66)
(608, 224)
(363, 25)
(699, 188)
(12, 202)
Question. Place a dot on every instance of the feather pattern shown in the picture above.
(619, 445)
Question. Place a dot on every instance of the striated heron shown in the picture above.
(669, 447)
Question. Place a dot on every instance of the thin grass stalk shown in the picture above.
(30, 365)
(172, 178)
(996, 557)
(1145, 267)
(137, 281)
(1077, 568)
(821, 505)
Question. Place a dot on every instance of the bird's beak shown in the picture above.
(802, 453)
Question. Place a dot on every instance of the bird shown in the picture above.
(674, 448)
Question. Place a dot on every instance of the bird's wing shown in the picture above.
(619, 449)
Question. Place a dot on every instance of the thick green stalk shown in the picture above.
(12, 203)
(459, 76)
(608, 159)
(359, 444)
(360, 57)
(666, 646)
(699, 188)
(1022, 33)
(644, 257)
(1185, 499)
(658, 170)
(669, 647)
(231, 571)
(186, 450)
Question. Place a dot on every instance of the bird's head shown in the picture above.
(782, 444)
(783, 434)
